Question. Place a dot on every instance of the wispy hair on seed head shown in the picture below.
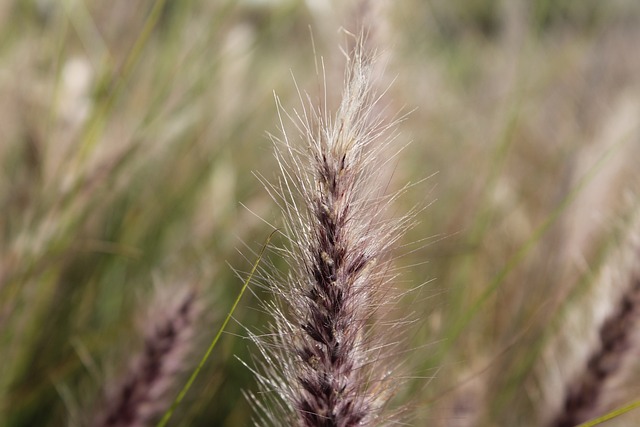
(325, 362)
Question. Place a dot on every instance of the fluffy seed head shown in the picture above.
(614, 318)
(324, 361)
(143, 395)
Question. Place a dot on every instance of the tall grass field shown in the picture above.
(319, 213)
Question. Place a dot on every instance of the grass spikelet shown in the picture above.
(325, 360)
(609, 360)
(144, 394)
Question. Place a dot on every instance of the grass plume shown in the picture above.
(325, 360)
(144, 393)
(590, 394)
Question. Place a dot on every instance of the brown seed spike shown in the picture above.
(336, 229)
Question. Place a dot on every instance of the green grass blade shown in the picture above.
(611, 415)
(97, 121)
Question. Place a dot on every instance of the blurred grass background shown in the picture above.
(129, 131)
